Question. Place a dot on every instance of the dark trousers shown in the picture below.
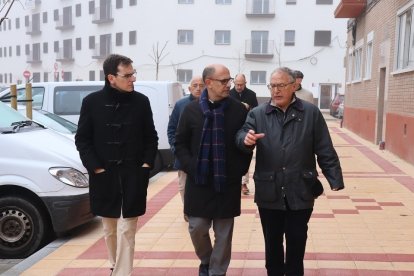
(292, 224)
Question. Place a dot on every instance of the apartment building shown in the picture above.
(65, 40)
(379, 98)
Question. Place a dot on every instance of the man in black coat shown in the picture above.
(248, 98)
(117, 143)
(205, 146)
(288, 134)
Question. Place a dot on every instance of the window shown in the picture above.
(45, 47)
(132, 37)
(10, 51)
(349, 67)
(45, 77)
(44, 17)
(258, 77)
(9, 24)
(261, 6)
(91, 7)
(91, 42)
(5, 52)
(17, 23)
(185, 37)
(368, 56)
(56, 46)
(357, 64)
(405, 45)
(119, 4)
(78, 44)
(260, 42)
(290, 2)
(289, 38)
(118, 39)
(56, 15)
(1, 52)
(91, 75)
(26, 21)
(324, 2)
(222, 37)
(322, 38)
(132, 2)
(223, 2)
(184, 76)
(18, 50)
(101, 75)
(185, 1)
(78, 10)
(27, 49)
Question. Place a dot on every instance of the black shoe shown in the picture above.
(203, 270)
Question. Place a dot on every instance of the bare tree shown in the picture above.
(157, 56)
(7, 12)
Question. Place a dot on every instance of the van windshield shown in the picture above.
(68, 99)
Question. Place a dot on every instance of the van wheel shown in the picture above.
(22, 227)
(158, 164)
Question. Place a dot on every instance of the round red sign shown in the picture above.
(26, 74)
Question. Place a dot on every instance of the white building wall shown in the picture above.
(159, 20)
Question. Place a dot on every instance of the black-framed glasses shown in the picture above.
(272, 86)
(127, 76)
(224, 81)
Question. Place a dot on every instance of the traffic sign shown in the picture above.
(26, 74)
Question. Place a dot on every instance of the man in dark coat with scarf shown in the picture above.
(117, 143)
(205, 146)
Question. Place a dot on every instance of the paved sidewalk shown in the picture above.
(366, 229)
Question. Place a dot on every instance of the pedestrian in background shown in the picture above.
(195, 88)
(117, 143)
(248, 98)
(301, 92)
(205, 146)
(288, 133)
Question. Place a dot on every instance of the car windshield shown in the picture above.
(12, 121)
(54, 122)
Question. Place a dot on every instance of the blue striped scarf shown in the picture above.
(212, 148)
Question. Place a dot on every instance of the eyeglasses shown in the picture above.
(224, 81)
(272, 86)
(127, 76)
(201, 85)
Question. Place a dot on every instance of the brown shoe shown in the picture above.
(245, 190)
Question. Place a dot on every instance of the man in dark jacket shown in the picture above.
(288, 132)
(117, 143)
(206, 149)
(195, 88)
(248, 98)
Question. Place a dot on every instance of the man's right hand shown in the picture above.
(98, 170)
(252, 137)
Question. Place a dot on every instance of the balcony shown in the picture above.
(262, 9)
(33, 29)
(259, 49)
(350, 8)
(64, 23)
(101, 51)
(103, 15)
(64, 55)
(33, 58)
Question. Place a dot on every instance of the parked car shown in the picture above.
(43, 185)
(333, 107)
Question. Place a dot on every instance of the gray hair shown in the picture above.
(285, 70)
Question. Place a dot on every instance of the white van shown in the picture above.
(43, 185)
(65, 99)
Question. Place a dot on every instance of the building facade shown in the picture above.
(66, 40)
(379, 98)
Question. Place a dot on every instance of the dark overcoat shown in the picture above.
(116, 132)
(203, 200)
